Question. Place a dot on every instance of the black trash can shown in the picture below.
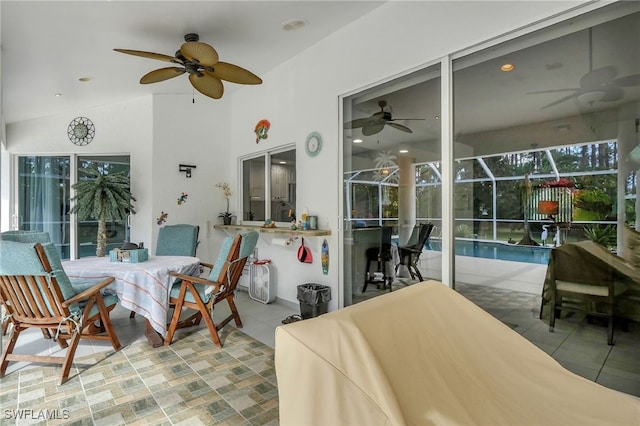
(314, 299)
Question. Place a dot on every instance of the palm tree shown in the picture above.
(526, 191)
(102, 197)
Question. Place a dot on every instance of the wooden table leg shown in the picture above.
(153, 337)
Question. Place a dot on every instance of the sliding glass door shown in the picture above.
(44, 198)
(87, 230)
(44, 201)
(391, 179)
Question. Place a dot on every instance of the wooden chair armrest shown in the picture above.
(193, 279)
(88, 292)
(207, 265)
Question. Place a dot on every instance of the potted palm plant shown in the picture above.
(103, 197)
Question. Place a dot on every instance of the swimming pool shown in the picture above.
(496, 250)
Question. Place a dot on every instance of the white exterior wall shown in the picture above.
(299, 96)
(302, 95)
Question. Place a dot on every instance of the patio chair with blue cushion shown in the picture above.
(39, 295)
(42, 237)
(21, 237)
(177, 240)
(203, 294)
(26, 236)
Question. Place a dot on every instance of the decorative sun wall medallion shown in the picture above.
(81, 131)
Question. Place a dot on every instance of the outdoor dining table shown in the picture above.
(141, 287)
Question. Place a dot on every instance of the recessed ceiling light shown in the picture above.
(507, 67)
(283, 162)
(403, 151)
(437, 117)
(357, 141)
(293, 24)
(57, 95)
(84, 79)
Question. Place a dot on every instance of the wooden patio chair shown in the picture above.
(21, 236)
(203, 294)
(176, 240)
(39, 296)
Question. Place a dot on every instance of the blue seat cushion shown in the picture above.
(109, 301)
(205, 291)
(26, 236)
(177, 240)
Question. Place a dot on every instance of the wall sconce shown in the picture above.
(186, 169)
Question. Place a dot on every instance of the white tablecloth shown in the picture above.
(142, 287)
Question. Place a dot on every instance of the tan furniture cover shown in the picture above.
(592, 263)
(425, 355)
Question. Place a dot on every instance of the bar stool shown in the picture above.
(381, 255)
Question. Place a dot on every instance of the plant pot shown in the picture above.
(226, 220)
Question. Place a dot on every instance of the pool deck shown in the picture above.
(503, 274)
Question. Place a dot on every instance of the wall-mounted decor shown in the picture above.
(162, 219)
(186, 169)
(313, 144)
(81, 131)
(261, 129)
(182, 198)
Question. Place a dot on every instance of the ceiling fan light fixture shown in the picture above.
(591, 96)
(201, 63)
(293, 24)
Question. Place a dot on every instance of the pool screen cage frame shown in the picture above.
(565, 196)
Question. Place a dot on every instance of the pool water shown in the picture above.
(496, 250)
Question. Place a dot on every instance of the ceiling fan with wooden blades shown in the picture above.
(375, 123)
(200, 61)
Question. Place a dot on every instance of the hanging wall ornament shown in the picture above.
(261, 129)
(163, 218)
(182, 199)
(81, 131)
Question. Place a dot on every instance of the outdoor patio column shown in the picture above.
(628, 161)
(406, 198)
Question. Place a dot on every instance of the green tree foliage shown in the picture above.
(102, 197)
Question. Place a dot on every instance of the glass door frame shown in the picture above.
(73, 178)
(447, 136)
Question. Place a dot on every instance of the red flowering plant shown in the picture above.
(560, 183)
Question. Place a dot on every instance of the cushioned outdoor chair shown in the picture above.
(410, 253)
(586, 277)
(177, 240)
(39, 295)
(26, 236)
(203, 294)
(21, 237)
